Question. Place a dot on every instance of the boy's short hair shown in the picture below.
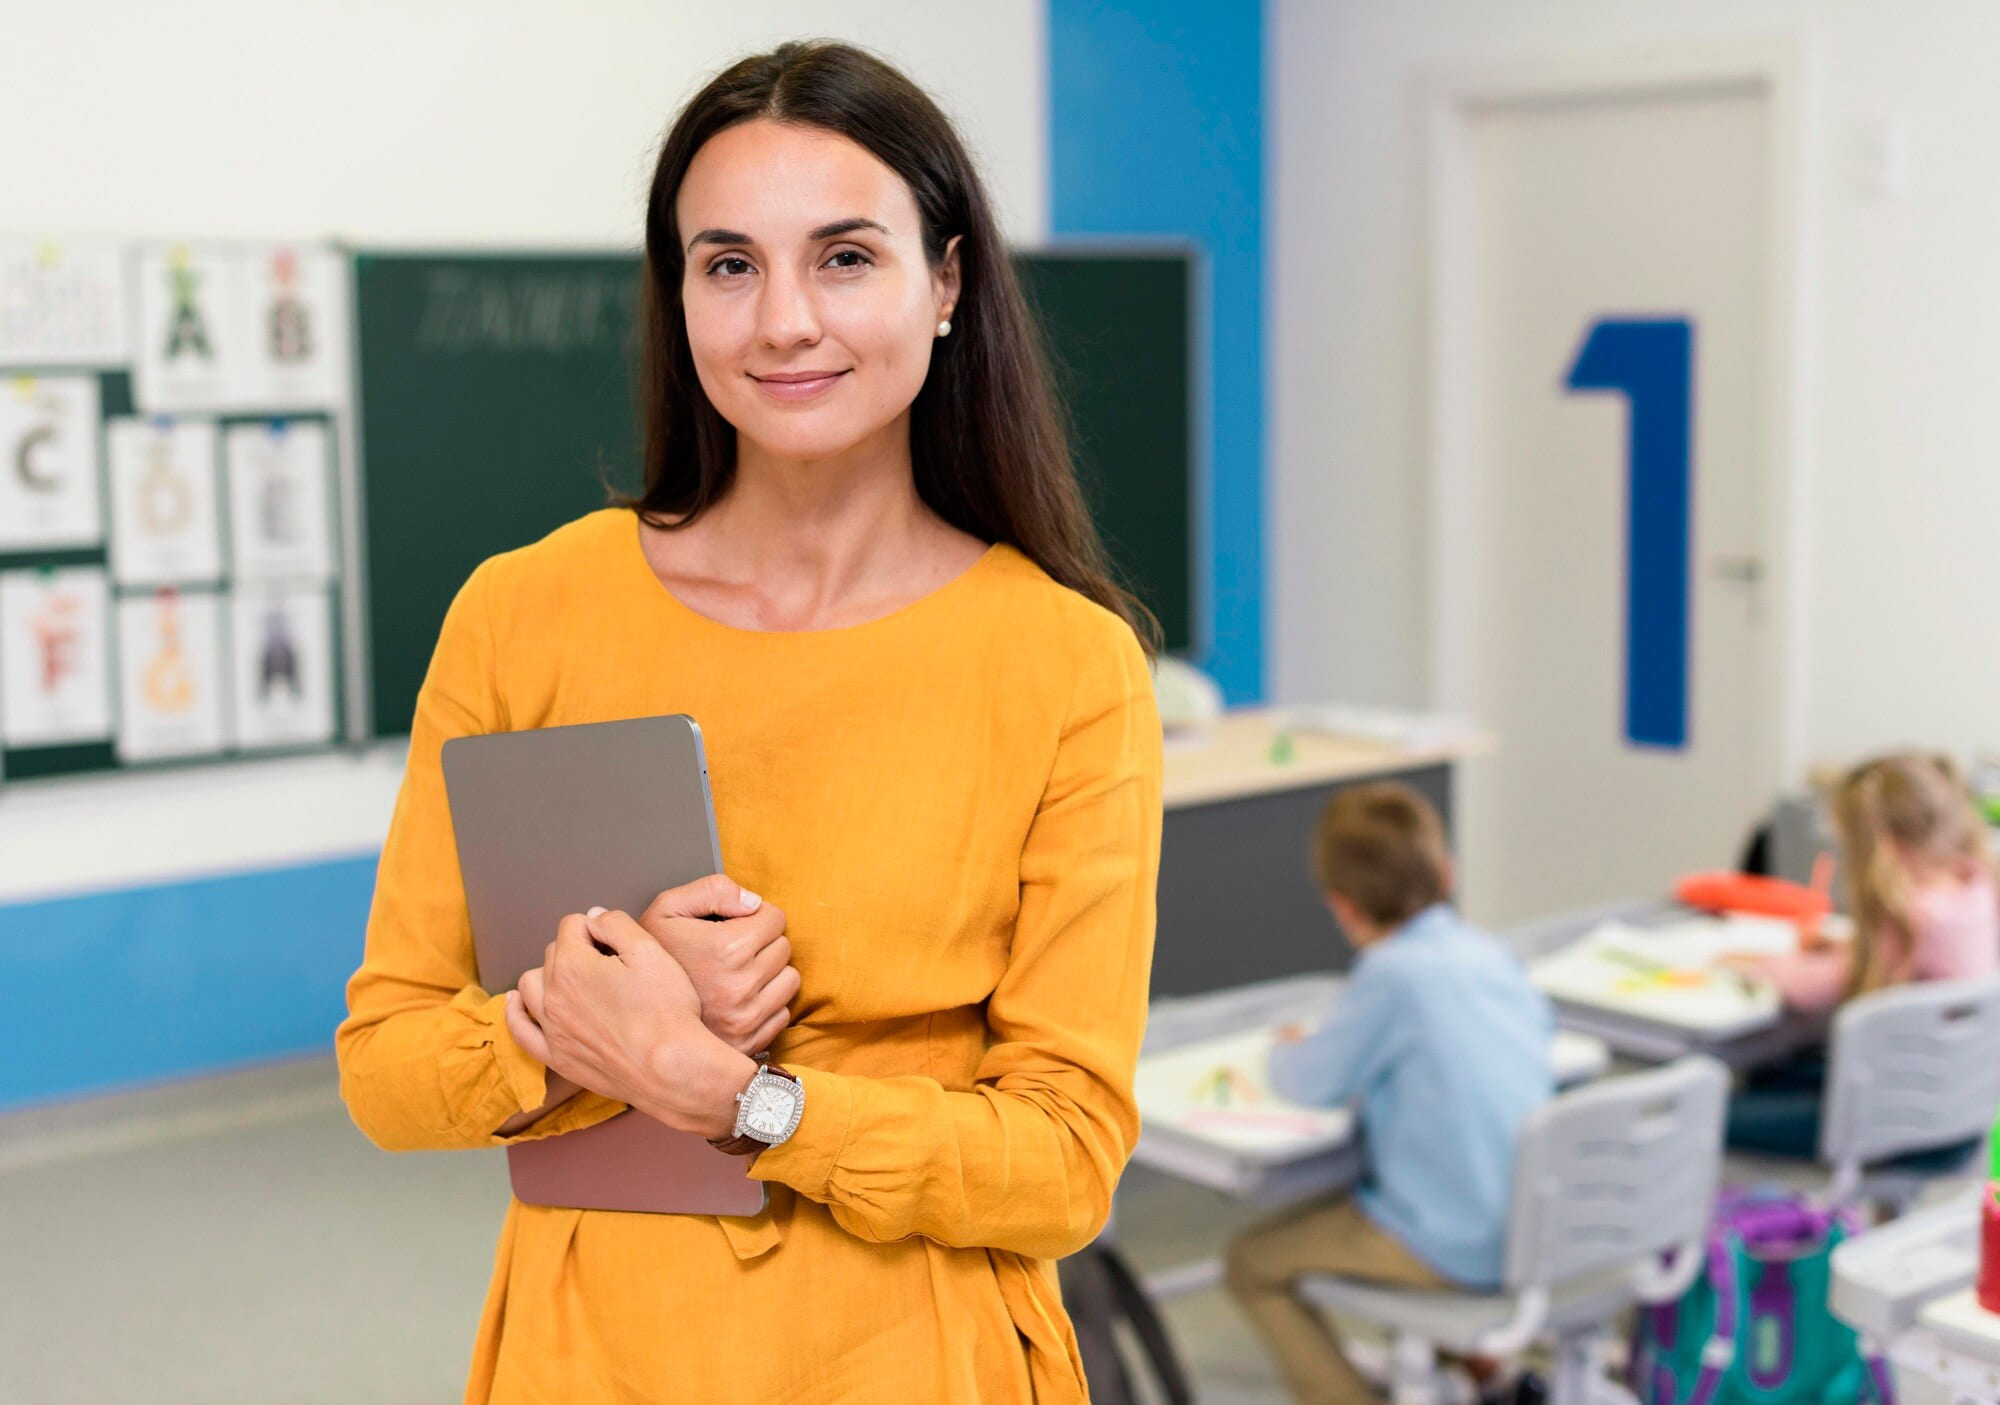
(1382, 847)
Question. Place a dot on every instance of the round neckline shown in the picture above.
(635, 544)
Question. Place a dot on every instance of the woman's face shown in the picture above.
(810, 308)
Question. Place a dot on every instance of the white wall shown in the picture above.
(1901, 467)
(397, 122)
(440, 121)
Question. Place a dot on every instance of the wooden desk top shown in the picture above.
(1232, 759)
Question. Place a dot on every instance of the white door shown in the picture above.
(1614, 274)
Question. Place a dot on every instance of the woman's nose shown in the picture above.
(787, 315)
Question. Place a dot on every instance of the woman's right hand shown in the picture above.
(732, 945)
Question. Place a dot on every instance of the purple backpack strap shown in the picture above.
(1719, 1352)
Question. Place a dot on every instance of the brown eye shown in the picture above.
(849, 258)
(730, 266)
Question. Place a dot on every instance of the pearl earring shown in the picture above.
(944, 328)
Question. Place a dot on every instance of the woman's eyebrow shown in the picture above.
(825, 231)
(846, 226)
(719, 236)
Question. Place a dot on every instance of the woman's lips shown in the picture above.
(793, 387)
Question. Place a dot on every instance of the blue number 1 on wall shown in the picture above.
(1651, 361)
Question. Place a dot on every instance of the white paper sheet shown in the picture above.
(49, 495)
(1666, 975)
(193, 330)
(170, 675)
(281, 640)
(296, 297)
(164, 511)
(62, 303)
(55, 657)
(280, 493)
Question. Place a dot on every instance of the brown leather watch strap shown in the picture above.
(745, 1144)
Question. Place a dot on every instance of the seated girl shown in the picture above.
(1919, 872)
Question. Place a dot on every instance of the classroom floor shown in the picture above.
(236, 1240)
(239, 1241)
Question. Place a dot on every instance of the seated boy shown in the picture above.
(1444, 1045)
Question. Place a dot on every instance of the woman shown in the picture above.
(862, 563)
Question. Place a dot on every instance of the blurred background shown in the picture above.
(1580, 409)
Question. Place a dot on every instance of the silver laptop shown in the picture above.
(560, 820)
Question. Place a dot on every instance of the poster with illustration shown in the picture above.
(61, 304)
(193, 329)
(164, 515)
(279, 489)
(282, 641)
(297, 301)
(55, 657)
(169, 675)
(49, 476)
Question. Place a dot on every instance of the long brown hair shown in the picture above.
(1892, 814)
(987, 442)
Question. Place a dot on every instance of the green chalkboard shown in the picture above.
(1118, 328)
(496, 400)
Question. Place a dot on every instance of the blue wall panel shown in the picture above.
(1156, 128)
(110, 990)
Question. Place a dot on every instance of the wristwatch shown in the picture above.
(767, 1112)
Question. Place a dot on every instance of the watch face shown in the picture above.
(769, 1111)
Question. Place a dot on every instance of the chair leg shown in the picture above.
(1580, 1374)
(1413, 1374)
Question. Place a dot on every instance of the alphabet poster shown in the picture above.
(49, 495)
(282, 643)
(193, 329)
(169, 675)
(279, 490)
(297, 297)
(55, 651)
(165, 527)
(61, 304)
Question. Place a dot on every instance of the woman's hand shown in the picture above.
(628, 1025)
(740, 965)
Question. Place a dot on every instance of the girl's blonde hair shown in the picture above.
(1895, 814)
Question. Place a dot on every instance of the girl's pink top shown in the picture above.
(1957, 930)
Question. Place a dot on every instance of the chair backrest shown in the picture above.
(1615, 1172)
(1912, 1068)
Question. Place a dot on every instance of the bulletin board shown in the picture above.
(174, 421)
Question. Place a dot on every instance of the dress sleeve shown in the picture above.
(1027, 1160)
(426, 1062)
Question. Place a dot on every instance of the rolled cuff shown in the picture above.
(523, 1080)
(805, 1161)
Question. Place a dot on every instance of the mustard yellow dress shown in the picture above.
(958, 806)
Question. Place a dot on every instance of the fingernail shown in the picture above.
(594, 912)
(751, 900)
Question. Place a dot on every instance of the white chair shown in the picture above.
(1607, 1179)
(1912, 1068)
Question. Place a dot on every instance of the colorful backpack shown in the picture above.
(1755, 1328)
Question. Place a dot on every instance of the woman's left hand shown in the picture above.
(628, 1025)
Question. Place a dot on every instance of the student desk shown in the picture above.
(1318, 1164)
(1237, 902)
(1758, 1033)
(1907, 1287)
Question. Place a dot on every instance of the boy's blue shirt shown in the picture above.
(1440, 1039)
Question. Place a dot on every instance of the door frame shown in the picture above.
(1775, 70)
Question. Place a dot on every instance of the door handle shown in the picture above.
(1738, 570)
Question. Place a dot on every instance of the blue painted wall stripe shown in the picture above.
(123, 988)
(1156, 128)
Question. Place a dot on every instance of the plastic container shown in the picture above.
(1989, 1233)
